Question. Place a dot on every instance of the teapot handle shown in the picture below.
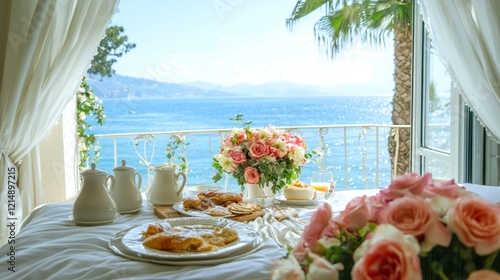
(183, 175)
(139, 180)
(112, 185)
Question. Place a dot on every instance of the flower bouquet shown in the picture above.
(415, 229)
(266, 156)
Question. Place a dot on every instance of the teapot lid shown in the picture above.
(123, 167)
(94, 171)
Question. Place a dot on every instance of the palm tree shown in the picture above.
(371, 21)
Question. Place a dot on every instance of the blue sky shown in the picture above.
(228, 42)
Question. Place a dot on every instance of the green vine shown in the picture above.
(174, 143)
(88, 104)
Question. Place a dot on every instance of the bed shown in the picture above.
(50, 246)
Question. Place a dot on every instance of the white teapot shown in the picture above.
(94, 205)
(125, 190)
(165, 189)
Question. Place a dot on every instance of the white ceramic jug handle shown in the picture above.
(112, 185)
(139, 180)
(183, 175)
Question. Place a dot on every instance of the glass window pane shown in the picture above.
(440, 169)
(437, 88)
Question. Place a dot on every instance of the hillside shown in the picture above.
(132, 88)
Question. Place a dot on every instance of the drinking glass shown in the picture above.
(322, 182)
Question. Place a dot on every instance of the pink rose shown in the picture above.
(484, 274)
(258, 149)
(476, 223)
(321, 269)
(313, 231)
(409, 183)
(413, 215)
(447, 189)
(237, 155)
(252, 175)
(388, 254)
(356, 214)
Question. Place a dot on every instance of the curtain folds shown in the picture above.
(466, 35)
(46, 48)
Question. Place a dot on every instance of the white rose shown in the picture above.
(288, 269)
(321, 269)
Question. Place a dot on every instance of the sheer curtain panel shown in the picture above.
(45, 49)
(466, 34)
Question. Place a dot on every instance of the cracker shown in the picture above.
(243, 208)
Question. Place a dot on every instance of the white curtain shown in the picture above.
(45, 49)
(466, 35)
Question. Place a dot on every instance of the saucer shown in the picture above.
(282, 199)
(93, 223)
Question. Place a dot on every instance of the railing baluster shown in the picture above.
(346, 169)
(377, 158)
(115, 149)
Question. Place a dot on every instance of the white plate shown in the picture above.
(132, 240)
(116, 245)
(179, 207)
(93, 223)
(282, 199)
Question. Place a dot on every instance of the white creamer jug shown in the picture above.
(94, 205)
(165, 189)
(124, 189)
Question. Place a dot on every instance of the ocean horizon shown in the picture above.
(163, 115)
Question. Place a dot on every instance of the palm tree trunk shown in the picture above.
(401, 102)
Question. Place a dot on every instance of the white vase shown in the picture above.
(254, 191)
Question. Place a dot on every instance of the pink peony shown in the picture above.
(409, 183)
(476, 223)
(388, 254)
(413, 215)
(252, 175)
(484, 274)
(258, 149)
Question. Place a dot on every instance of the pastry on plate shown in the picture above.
(221, 198)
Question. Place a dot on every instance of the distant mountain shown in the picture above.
(130, 88)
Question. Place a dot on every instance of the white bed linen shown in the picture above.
(50, 246)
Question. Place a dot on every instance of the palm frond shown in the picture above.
(348, 21)
(304, 8)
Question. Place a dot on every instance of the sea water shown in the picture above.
(355, 169)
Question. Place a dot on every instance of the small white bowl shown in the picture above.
(195, 190)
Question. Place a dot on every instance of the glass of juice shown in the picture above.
(322, 182)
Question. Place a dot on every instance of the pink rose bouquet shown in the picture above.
(414, 229)
(263, 156)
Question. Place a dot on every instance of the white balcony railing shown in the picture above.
(356, 154)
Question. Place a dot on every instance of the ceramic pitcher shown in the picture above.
(166, 189)
(94, 204)
(124, 188)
